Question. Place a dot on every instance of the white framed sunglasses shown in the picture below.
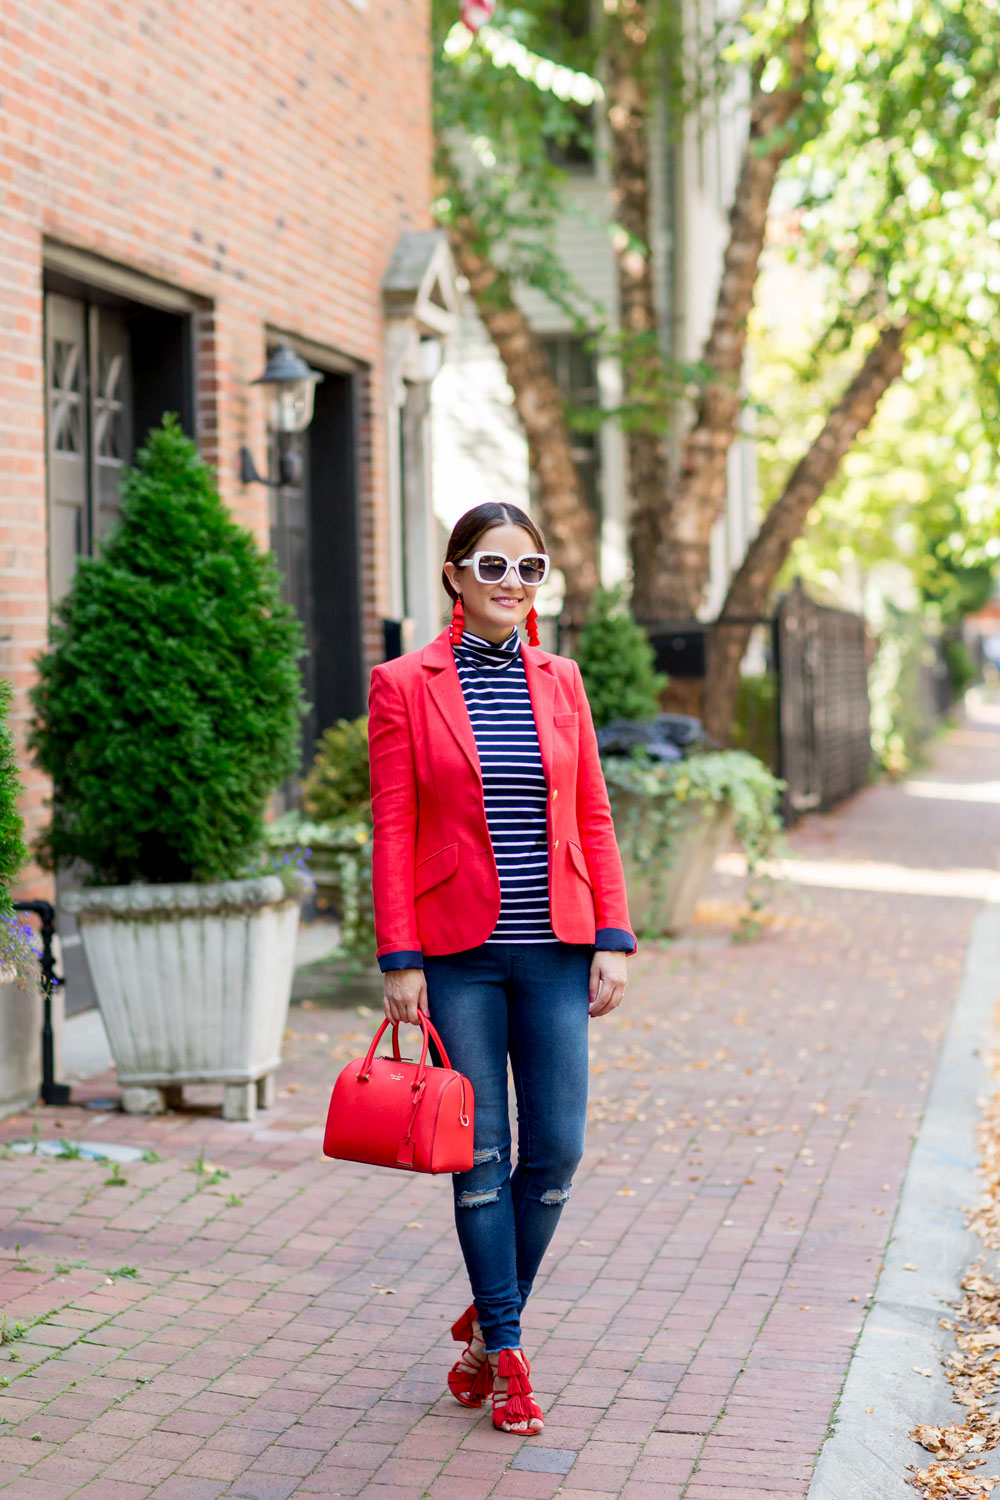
(532, 568)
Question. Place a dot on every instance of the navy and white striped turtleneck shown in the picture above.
(514, 787)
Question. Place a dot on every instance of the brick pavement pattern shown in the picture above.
(239, 1317)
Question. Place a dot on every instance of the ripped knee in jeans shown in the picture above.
(555, 1197)
(480, 1199)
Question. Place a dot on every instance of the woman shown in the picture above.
(500, 910)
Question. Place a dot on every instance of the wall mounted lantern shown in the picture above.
(290, 387)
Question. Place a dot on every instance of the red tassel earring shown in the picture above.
(457, 622)
(532, 624)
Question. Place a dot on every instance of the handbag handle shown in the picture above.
(427, 1030)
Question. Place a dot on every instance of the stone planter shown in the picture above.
(662, 900)
(20, 1043)
(193, 984)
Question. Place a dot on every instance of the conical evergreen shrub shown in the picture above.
(169, 702)
(616, 662)
(12, 850)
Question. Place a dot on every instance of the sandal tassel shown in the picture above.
(516, 1405)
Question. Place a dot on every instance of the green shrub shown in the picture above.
(19, 947)
(12, 850)
(652, 802)
(168, 704)
(903, 713)
(340, 863)
(961, 665)
(338, 785)
(755, 727)
(617, 662)
(649, 799)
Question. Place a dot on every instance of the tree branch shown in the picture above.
(749, 593)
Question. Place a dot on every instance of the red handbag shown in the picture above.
(391, 1112)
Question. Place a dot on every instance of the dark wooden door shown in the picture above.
(89, 436)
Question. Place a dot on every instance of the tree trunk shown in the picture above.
(672, 567)
(750, 591)
(564, 511)
(628, 113)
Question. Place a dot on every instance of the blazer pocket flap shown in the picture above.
(435, 868)
(566, 721)
(579, 860)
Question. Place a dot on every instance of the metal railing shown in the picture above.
(824, 731)
(819, 657)
(52, 1092)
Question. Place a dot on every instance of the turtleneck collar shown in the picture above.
(488, 655)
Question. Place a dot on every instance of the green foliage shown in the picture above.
(509, 106)
(616, 661)
(755, 727)
(290, 865)
(962, 668)
(660, 791)
(19, 948)
(914, 512)
(12, 850)
(885, 207)
(339, 785)
(168, 703)
(341, 865)
(959, 557)
(335, 826)
(652, 802)
(889, 212)
(492, 125)
(904, 713)
(10, 1330)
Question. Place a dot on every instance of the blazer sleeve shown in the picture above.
(597, 836)
(394, 824)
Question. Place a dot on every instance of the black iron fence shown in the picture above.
(824, 729)
(817, 658)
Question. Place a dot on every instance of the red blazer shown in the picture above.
(434, 876)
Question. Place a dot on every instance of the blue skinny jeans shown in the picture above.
(528, 1002)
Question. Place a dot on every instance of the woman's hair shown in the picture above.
(470, 527)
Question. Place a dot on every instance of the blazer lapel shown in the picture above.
(542, 691)
(446, 692)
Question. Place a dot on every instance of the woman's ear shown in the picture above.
(452, 575)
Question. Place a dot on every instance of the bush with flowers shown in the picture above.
(335, 823)
(19, 951)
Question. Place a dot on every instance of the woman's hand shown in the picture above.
(404, 994)
(607, 982)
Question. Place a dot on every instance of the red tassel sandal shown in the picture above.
(514, 1410)
(469, 1382)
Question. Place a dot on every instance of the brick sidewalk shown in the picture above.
(242, 1318)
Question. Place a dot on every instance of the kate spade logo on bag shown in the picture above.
(398, 1077)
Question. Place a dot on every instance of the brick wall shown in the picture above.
(263, 157)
